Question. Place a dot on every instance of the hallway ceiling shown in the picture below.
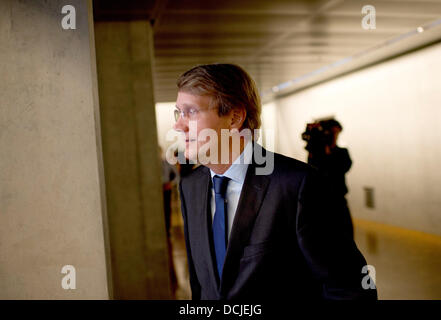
(280, 40)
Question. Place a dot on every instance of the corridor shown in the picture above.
(97, 96)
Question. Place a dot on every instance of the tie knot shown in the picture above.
(220, 185)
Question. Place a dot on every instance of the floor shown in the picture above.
(407, 263)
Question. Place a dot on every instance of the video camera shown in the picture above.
(319, 134)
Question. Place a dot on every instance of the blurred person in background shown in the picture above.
(170, 177)
(333, 162)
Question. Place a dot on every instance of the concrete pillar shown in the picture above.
(51, 182)
(131, 160)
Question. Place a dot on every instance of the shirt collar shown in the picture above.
(238, 170)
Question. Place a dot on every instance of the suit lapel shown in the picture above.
(250, 201)
(203, 214)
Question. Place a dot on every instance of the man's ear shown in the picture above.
(238, 118)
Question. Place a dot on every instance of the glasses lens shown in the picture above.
(176, 113)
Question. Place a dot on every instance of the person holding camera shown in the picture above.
(333, 162)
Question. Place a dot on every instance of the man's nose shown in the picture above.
(181, 125)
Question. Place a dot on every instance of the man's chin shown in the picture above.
(191, 155)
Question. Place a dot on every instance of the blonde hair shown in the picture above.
(229, 85)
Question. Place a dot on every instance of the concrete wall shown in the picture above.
(391, 114)
(139, 251)
(50, 183)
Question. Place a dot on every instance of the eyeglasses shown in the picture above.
(188, 113)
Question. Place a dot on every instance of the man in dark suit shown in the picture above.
(254, 229)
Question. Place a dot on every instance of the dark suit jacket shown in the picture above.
(284, 243)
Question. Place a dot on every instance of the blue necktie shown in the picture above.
(220, 221)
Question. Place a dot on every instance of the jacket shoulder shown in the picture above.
(284, 165)
(194, 174)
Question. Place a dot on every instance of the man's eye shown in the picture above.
(192, 111)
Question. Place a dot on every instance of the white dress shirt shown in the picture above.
(236, 172)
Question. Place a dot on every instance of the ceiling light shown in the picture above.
(345, 60)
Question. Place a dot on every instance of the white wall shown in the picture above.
(391, 114)
(50, 187)
(164, 122)
(269, 131)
